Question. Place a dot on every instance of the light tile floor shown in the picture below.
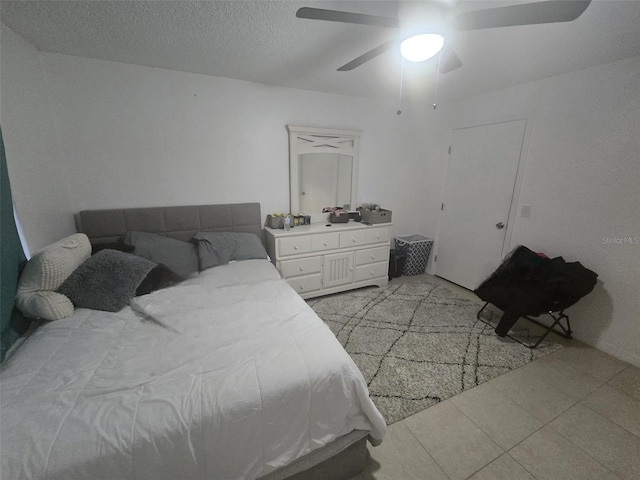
(574, 414)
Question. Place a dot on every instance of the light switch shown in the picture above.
(525, 211)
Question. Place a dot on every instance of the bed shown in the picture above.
(228, 374)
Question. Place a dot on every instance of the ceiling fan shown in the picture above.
(428, 24)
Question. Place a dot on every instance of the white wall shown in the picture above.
(582, 178)
(118, 135)
(39, 186)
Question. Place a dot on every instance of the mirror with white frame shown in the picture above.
(323, 168)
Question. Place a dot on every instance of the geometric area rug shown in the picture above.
(419, 343)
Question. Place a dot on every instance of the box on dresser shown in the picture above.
(375, 216)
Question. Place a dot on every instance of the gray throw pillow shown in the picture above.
(106, 281)
(219, 248)
(180, 257)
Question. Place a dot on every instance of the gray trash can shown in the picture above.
(416, 249)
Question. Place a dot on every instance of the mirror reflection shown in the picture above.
(325, 181)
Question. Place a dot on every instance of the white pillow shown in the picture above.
(44, 273)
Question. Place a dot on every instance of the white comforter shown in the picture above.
(228, 375)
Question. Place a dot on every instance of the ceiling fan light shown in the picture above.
(419, 48)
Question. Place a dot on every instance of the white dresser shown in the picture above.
(318, 259)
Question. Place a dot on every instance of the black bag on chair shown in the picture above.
(530, 284)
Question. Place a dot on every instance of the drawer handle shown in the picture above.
(295, 247)
(302, 269)
(378, 236)
(354, 240)
(325, 244)
(372, 273)
(373, 257)
(302, 286)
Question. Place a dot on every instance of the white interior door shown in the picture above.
(479, 188)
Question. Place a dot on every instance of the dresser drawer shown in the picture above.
(374, 270)
(301, 266)
(307, 283)
(294, 245)
(325, 241)
(372, 255)
(377, 235)
(352, 239)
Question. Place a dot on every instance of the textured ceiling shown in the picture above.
(263, 41)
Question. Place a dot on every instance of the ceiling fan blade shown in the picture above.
(449, 60)
(551, 11)
(346, 17)
(370, 55)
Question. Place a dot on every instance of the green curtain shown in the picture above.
(12, 260)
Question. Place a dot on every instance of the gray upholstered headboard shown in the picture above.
(180, 222)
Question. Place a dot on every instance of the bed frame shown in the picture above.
(177, 222)
(340, 460)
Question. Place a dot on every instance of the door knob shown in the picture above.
(500, 225)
